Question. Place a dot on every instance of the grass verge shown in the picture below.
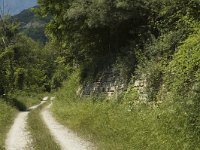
(42, 140)
(7, 115)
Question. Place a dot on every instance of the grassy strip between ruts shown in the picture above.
(42, 140)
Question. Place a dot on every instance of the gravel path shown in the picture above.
(63, 136)
(18, 138)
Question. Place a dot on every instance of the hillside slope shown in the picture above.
(32, 25)
(16, 6)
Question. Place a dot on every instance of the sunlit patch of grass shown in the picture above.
(114, 127)
(41, 138)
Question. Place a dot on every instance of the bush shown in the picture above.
(183, 74)
(183, 82)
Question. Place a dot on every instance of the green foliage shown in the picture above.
(183, 81)
(154, 58)
(55, 65)
(61, 73)
(152, 73)
(173, 15)
(71, 85)
(22, 63)
(130, 98)
(159, 37)
(96, 33)
(184, 68)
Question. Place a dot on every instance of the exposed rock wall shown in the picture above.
(107, 83)
(140, 85)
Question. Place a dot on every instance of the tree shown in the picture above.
(21, 60)
(94, 33)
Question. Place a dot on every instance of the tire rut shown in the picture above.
(64, 136)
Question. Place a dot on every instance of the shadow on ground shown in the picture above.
(14, 103)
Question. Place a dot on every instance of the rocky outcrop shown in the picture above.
(107, 83)
(141, 85)
(111, 84)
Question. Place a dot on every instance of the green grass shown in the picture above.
(7, 115)
(127, 126)
(42, 140)
(115, 128)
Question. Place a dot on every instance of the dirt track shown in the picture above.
(63, 136)
(18, 138)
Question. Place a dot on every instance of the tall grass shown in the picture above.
(126, 125)
(7, 114)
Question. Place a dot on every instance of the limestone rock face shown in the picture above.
(110, 84)
(107, 83)
(140, 85)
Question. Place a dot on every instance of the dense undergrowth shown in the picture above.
(127, 125)
(169, 120)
